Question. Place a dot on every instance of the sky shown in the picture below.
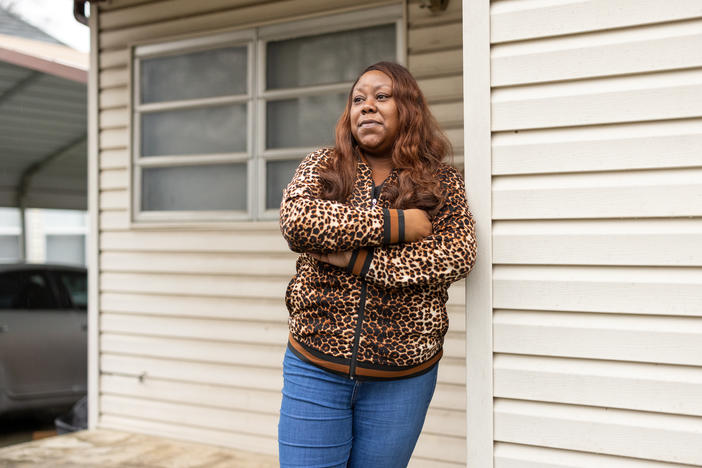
(55, 17)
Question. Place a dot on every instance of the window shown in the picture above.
(9, 247)
(65, 248)
(65, 234)
(26, 290)
(10, 288)
(9, 235)
(76, 286)
(221, 122)
(37, 293)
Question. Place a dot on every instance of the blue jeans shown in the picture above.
(331, 421)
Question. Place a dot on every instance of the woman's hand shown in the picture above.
(417, 225)
(340, 259)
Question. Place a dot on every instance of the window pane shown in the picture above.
(9, 217)
(194, 188)
(303, 121)
(36, 292)
(207, 130)
(278, 176)
(196, 75)
(77, 286)
(65, 248)
(9, 248)
(327, 58)
(10, 287)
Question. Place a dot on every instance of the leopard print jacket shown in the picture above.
(384, 316)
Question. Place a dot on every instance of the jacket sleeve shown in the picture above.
(310, 224)
(446, 255)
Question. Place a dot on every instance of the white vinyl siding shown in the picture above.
(597, 223)
(434, 58)
(196, 314)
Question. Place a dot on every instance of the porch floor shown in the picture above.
(103, 448)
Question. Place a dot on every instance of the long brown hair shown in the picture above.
(418, 151)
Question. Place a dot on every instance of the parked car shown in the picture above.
(43, 337)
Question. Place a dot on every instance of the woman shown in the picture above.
(383, 228)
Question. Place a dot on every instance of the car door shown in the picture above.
(72, 287)
(36, 334)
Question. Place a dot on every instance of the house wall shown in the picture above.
(597, 227)
(191, 319)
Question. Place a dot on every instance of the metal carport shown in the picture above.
(43, 120)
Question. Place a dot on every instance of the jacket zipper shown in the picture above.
(374, 197)
(362, 302)
(359, 327)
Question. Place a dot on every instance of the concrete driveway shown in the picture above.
(114, 449)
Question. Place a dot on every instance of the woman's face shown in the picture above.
(374, 117)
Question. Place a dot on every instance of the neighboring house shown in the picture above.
(54, 236)
(583, 124)
(14, 26)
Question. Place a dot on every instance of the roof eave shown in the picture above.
(53, 59)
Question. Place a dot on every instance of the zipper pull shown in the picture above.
(374, 202)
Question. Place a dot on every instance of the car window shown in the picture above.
(36, 292)
(29, 290)
(77, 286)
(10, 288)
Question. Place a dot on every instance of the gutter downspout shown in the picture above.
(79, 10)
(93, 212)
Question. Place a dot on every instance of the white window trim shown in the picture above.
(256, 155)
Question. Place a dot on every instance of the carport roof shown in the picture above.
(43, 119)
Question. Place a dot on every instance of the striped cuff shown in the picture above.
(360, 262)
(393, 226)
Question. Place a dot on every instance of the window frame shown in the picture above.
(255, 37)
